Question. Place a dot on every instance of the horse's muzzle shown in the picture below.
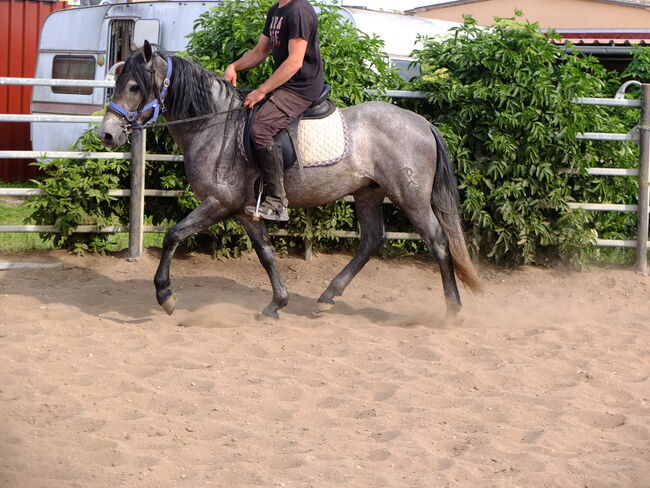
(111, 132)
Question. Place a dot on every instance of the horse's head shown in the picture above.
(139, 95)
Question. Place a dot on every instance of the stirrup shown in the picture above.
(267, 211)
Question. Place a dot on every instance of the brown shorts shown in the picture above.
(276, 114)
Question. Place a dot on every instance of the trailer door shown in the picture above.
(120, 37)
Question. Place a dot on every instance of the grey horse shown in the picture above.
(392, 152)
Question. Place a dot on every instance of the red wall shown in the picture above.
(20, 26)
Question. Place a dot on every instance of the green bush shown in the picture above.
(76, 189)
(76, 193)
(502, 96)
(352, 60)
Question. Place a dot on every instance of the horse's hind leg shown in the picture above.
(368, 205)
(429, 228)
(266, 254)
(206, 214)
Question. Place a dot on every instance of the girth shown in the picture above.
(288, 138)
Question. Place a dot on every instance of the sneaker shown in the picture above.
(269, 211)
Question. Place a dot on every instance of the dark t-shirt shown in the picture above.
(295, 20)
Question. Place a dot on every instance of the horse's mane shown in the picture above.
(190, 91)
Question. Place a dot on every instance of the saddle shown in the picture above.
(287, 138)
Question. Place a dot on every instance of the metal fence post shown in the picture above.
(136, 200)
(644, 181)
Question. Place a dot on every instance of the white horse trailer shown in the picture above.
(399, 32)
(86, 43)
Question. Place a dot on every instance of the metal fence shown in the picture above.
(139, 156)
(640, 135)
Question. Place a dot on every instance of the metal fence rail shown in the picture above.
(5, 80)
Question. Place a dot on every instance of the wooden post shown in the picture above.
(309, 254)
(644, 181)
(136, 201)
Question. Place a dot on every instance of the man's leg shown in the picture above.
(275, 115)
(274, 205)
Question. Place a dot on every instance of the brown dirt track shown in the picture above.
(546, 384)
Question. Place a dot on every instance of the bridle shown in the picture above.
(157, 104)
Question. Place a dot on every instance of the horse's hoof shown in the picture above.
(325, 306)
(170, 305)
(455, 319)
(268, 314)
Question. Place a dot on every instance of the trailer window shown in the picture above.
(73, 68)
(406, 71)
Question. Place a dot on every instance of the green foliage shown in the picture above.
(352, 63)
(639, 68)
(615, 189)
(502, 96)
(77, 189)
(15, 211)
(76, 193)
(352, 60)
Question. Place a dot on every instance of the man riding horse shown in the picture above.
(291, 36)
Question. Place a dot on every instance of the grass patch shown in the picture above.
(119, 242)
(615, 255)
(15, 211)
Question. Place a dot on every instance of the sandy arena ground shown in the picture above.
(546, 384)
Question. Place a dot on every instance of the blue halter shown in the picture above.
(156, 104)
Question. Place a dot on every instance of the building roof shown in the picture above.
(633, 3)
(596, 40)
(604, 41)
(453, 3)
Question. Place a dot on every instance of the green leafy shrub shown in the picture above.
(611, 154)
(76, 193)
(76, 189)
(502, 96)
(352, 60)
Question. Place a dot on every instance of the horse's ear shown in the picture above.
(147, 51)
(134, 47)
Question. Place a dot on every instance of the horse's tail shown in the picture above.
(444, 200)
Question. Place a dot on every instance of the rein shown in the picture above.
(191, 119)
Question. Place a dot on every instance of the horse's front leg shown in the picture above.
(209, 212)
(266, 254)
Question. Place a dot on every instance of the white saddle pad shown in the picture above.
(322, 142)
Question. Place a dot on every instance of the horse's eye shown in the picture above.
(134, 88)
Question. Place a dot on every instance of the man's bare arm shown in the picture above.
(297, 50)
(252, 58)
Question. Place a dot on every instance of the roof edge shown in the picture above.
(451, 3)
(623, 3)
(454, 3)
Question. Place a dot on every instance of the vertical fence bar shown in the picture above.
(644, 177)
(136, 200)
